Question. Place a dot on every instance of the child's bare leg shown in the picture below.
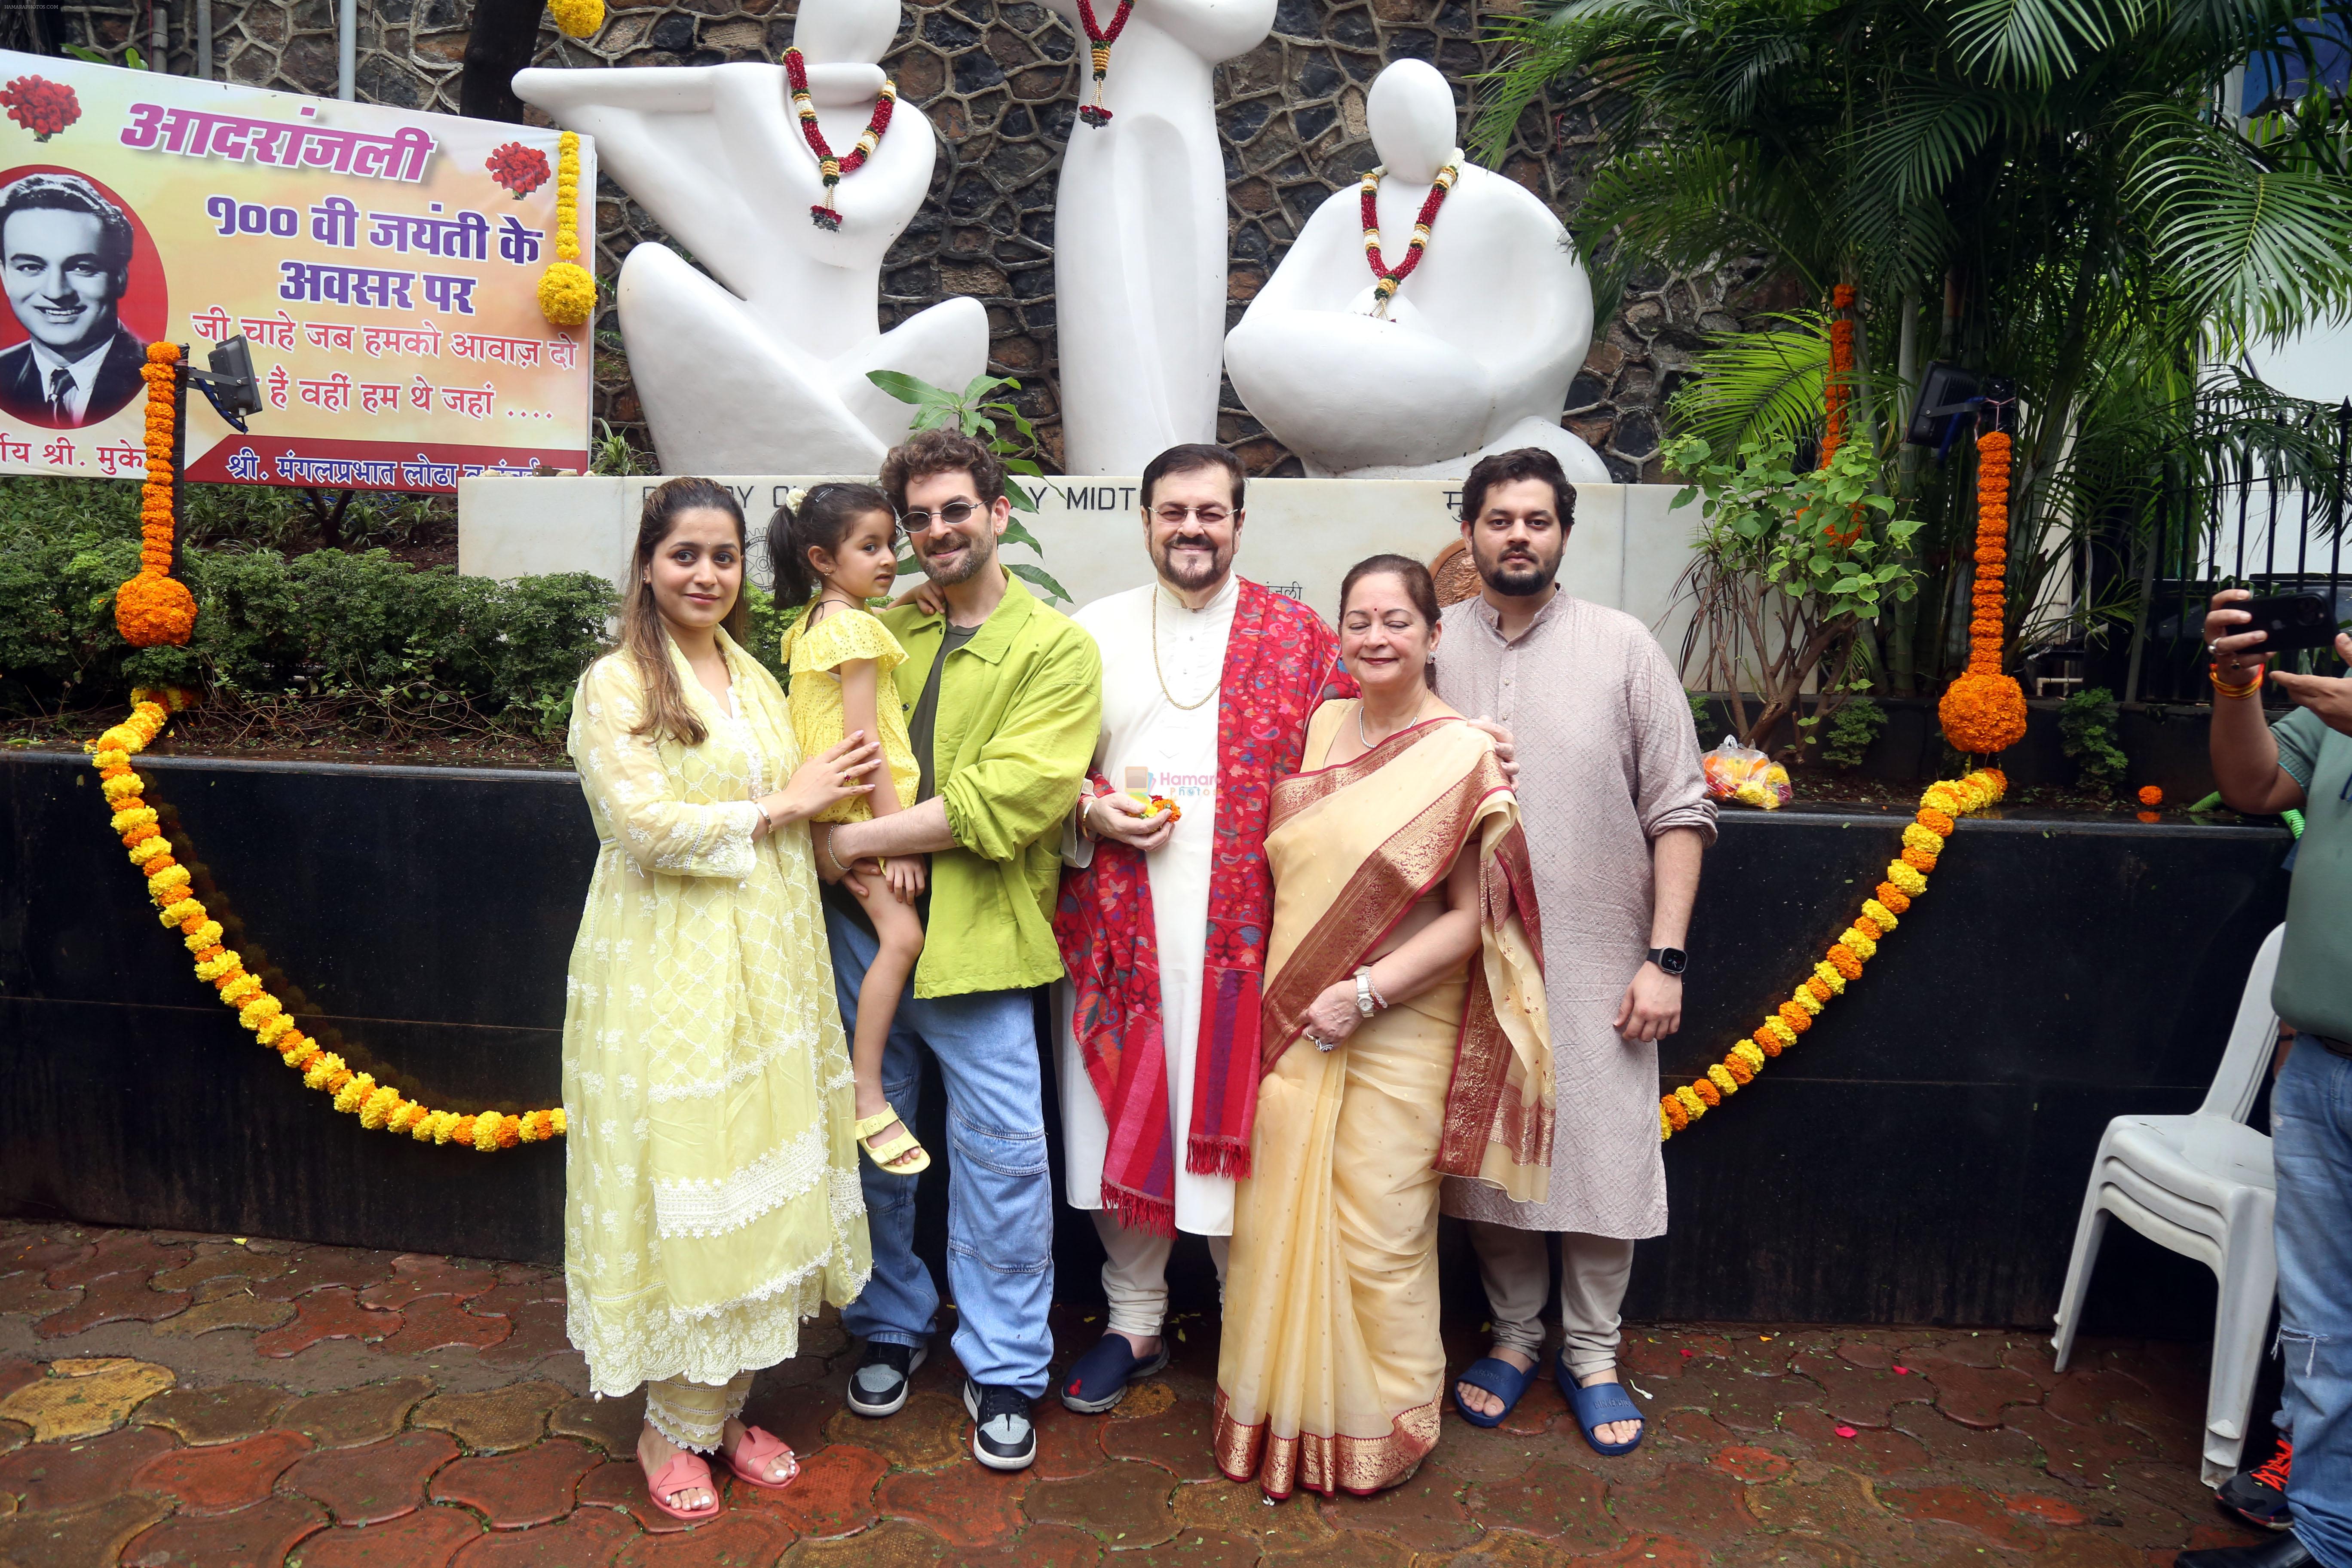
(900, 937)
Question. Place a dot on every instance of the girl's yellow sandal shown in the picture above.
(889, 1155)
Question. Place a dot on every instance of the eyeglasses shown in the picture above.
(954, 514)
(1174, 516)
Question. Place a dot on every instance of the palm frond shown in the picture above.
(1762, 384)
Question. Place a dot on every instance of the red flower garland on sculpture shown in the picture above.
(41, 106)
(833, 169)
(1387, 279)
(1984, 710)
(1100, 39)
(520, 169)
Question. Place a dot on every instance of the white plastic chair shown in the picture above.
(2199, 1185)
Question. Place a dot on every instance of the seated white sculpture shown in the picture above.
(1478, 346)
(764, 370)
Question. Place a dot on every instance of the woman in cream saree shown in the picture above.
(1402, 896)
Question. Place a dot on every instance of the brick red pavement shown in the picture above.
(170, 1400)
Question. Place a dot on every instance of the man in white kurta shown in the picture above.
(1182, 705)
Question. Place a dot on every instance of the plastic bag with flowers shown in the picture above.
(1734, 772)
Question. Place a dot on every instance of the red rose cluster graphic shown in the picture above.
(45, 108)
(520, 169)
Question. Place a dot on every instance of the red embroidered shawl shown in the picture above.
(1281, 663)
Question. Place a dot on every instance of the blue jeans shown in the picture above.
(1000, 1195)
(2312, 1152)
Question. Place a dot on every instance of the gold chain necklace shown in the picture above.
(1156, 675)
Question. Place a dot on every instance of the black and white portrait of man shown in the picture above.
(65, 252)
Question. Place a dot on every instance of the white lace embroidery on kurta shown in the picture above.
(712, 1200)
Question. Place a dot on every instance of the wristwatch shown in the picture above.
(1670, 959)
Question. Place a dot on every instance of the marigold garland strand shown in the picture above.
(1100, 39)
(567, 290)
(835, 170)
(155, 609)
(1984, 710)
(1907, 879)
(1837, 400)
(379, 1107)
(1387, 279)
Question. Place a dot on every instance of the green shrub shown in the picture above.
(1857, 724)
(2086, 731)
(330, 622)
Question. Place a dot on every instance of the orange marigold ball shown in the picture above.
(2150, 795)
(154, 611)
(1842, 960)
(1707, 1090)
(1796, 1017)
(1742, 1073)
(1766, 1041)
(163, 354)
(1983, 714)
(1675, 1112)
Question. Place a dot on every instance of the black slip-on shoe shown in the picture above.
(1003, 1437)
(1099, 1379)
(2287, 1551)
(879, 1384)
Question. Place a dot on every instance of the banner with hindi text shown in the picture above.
(385, 265)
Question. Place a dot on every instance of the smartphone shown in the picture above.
(2292, 620)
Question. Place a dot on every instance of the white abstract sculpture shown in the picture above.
(764, 372)
(1478, 346)
(1139, 236)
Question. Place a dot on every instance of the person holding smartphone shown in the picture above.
(2303, 762)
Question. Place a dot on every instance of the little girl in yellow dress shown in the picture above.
(841, 547)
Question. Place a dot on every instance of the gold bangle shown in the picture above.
(2225, 689)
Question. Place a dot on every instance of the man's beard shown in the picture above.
(1193, 575)
(1516, 576)
(978, 553)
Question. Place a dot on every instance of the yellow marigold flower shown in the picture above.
(147, 849)
(259, 1011)
(1787, 1035)
(302, 1052)
(556, 1120)
(420, 1127)
(165, 884)
(1750, 1055)
(1879, 913)
(1922, 839)
(184, 910)
(237, 990)
(121, 785)
(486, 1133)
(272, 1029)
(441, 1121)
(1722, 1078)
(123, 821)
(1906, 878)
(211, 969)
(1858, 944)
(1830, 977)
(121, 738)
(376, 1106)
(1803, 998)
(404, 1116)
(322, 1068)
(355, 1089)
(1693, 1106)
(110, 757)
(1665, 1127)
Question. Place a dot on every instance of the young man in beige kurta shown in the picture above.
(1616, 817)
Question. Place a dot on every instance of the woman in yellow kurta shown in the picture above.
(711, 1201)
(1404, 1040)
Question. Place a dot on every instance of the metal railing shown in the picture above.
(2244, 524)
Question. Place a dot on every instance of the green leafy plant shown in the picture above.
(2086, 732)
(88, 56)
(1790, 566)
(1857, 724)
(613, 453)
(980, 413)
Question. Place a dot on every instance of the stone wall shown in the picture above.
(999, 80)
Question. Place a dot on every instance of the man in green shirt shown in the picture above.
(1004, 698)
(2304, 763)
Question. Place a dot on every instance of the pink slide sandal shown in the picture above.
(752, 1456)
(684, 1473)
